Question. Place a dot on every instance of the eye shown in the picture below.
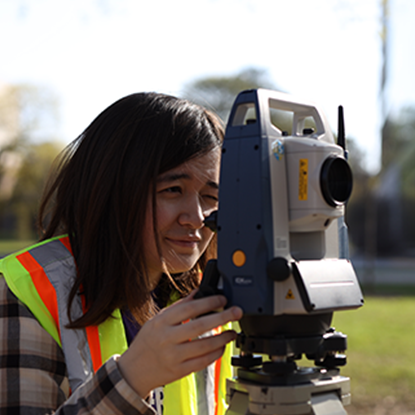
(172, 190)
(211, 197)
(211, 200)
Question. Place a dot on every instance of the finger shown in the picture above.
(202, 325)
(187, 298)
(201, 362)
(206, 345)
(190, 309)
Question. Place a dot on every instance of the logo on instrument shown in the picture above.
(278, 149)
(243, 281)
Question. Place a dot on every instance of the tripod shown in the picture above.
(279, 387)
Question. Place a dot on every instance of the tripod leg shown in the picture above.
(239, 404)
(327, 404)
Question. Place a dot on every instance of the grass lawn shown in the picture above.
(381, 360)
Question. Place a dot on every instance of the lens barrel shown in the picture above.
(336, 181)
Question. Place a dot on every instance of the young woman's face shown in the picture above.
(185, 196)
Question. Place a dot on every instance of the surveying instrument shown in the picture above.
(282, 255)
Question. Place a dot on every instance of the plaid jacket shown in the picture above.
(33, 375)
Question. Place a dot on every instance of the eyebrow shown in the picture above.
(171, 177)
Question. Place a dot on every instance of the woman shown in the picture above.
(84, 321)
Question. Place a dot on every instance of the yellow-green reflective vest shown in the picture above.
(42, 276)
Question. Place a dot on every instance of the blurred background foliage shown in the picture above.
(28, 117)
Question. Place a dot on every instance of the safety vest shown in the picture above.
(42, 276)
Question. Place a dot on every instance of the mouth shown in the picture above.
(189, 243)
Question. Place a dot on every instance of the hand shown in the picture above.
(166, 350)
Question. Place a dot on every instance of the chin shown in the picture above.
(182, 267)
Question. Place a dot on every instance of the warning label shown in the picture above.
(303, 180)
(290, 295)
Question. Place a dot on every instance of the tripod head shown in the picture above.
(283, 189)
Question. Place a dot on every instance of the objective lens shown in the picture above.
(336, 181)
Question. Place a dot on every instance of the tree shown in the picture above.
(398, 148)
(27, 112)
(29, 186)
(380, 212)
(359, 208)
(219, 92)
(396, 189)
(28, 115)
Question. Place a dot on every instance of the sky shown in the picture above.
(92, 52)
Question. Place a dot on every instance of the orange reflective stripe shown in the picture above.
(43, 286)
(92, 335)
(65, 241)
(94, 346)
(218, 365)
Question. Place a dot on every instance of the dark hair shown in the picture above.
(100, 191)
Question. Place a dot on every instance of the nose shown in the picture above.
(192, 214)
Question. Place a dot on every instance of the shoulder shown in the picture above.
(22, 331)
(10, 306)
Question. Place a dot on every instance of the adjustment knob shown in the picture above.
(278, 269)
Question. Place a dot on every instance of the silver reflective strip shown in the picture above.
(60, 269)
(205, 385)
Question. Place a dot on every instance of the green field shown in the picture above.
(381, 359)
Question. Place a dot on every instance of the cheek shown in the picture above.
(165, 216)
